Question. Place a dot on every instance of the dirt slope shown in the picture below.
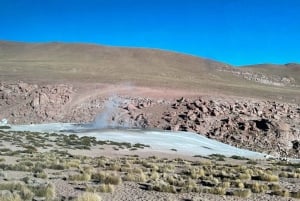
(86, 63)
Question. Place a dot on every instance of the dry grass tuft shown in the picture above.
(88, 196)
(244, 193)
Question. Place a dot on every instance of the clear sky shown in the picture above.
(237, 32)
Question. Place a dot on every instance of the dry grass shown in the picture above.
(244, 193)
(88, 196)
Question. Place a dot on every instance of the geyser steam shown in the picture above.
(111, 116)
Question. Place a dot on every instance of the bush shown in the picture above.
(8, 196)
(5, 127)
(283, 193)
(218, 191)
(106, 188)
(107, 178)
(87, 196)
(80, 177)
(135, 177)
(162, 186)
(295, 194)
(268, 177)
(239, 157)
(244, 193)
(47, 191)
(257, 188)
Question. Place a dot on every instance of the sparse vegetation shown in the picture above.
(101, 174)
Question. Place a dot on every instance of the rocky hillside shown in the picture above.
(267, 126)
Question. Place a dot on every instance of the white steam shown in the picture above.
(112, 115)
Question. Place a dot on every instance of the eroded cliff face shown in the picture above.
(261, 125)
(30, 103)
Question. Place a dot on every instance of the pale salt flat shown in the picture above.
(186, 143)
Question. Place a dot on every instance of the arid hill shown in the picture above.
(85, 63)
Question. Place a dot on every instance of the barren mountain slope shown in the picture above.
(83, 63)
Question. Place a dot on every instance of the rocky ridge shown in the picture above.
(261, 78)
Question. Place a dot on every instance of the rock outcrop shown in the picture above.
(261, 125)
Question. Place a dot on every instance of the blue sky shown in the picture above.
(237, 32)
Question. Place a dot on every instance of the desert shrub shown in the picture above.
(47, 191)
(274, 187)
(256, 187)
(115, 167)
(8, 196)
(106, 178)
(189, 186)
(295, 194)
(88, 196)
(73, 163)
(98, 176)
(282, 192)
(87, 169)
(268, 177)
(217, 156)
(194, 173)
(135, 177)
(237, 184)
(5, 127)
(80, 177)
(26, 193)
(29, 149)
(239, 157)
(166, 168)
(106, 188)
(12, 186)
(244, 176)
(162, 186)
(42, 175)
(283, 174)
(113, 179)
(225, 184)
(244, 193)
(218, 191)
(55, 166)
(5, 150)
(251, 162)
(154, 176)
